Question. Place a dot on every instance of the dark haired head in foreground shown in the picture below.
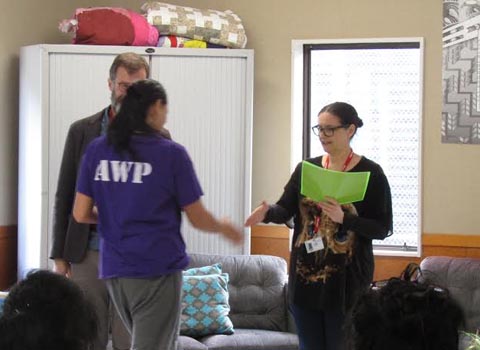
(405, 315)
(47, 311)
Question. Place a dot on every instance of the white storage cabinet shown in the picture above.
(210, 102)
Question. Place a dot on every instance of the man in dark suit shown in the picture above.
(75, 246)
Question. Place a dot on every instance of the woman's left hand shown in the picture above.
(333, 210)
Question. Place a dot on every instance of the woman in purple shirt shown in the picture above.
(133, 184)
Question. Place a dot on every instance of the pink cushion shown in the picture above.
(113, 26)
(145, 34)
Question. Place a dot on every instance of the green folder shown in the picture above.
(345, 187)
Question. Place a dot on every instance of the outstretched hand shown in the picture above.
(231, 231)
(258, 215)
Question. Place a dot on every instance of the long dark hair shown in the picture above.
(133, 113)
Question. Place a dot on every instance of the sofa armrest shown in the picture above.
(460, 276)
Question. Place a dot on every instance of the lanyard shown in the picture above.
(327, 164)
(345, 165)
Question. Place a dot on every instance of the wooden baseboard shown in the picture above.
(271, 240)
(391, 266)
(8, 256)
(449, 240)
(465, 246)
(274, 240)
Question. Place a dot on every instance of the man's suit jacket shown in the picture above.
(70, 238)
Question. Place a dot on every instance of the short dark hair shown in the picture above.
(131, 61)
(405, 315)
(133, 113)
(47, 311)
(345, 112)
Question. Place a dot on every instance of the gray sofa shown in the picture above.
(461, 276)
(258, 303)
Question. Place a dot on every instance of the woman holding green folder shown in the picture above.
(331, 260)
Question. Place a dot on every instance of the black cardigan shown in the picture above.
(374, 221)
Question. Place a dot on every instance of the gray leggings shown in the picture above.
(150, 309)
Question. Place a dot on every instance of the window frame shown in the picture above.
(300, 112)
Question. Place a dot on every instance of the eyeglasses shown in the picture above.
(328, 130)
(123, 86)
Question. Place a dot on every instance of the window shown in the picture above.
(382, 79)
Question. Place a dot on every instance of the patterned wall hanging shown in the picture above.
(461, 73)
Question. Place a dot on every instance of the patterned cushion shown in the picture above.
(214, 269)
(256, 289)
(205, 306)
(3, 295)
(216, 27)
(178, 41)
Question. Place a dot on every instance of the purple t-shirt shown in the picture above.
(139, 201)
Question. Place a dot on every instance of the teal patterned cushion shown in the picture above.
(214, 269)
(205, 305)
(3, 295)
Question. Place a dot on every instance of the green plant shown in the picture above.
(474, 341)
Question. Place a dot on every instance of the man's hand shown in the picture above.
(62, 267)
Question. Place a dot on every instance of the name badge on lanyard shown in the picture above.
(313, 245)
(316, 244)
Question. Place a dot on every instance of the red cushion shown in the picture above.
(113, 26)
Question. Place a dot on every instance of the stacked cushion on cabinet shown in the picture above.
(110, 26)
(216, 27)
(178, 41)
(205, 305)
